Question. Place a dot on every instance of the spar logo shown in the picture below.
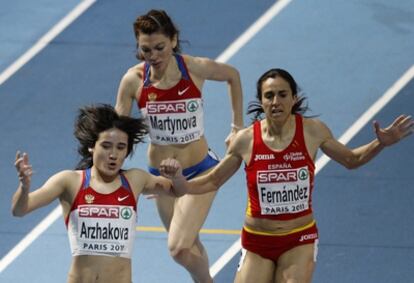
(277, 176)
(99, 211)
(126, 213)
(166, 107)
(192, 106)
(303, 174)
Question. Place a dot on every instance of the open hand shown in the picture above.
(402, 127)
(24, 169)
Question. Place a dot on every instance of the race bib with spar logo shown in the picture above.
(283, 191)
(106, 229)
(176, 122)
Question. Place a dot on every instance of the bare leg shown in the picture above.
(296, 265)
(255, 268)
(184, 222)
(165, 207)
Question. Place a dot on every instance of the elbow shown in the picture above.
(178, 193)
(18, 213)
(178, 190)
(234, 76)
(351, 167)
(351, 164)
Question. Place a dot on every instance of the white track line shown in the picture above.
(45, 40)
(252, 30)
(26, 57)
(224, 57)
(323, 160)
(30, 237)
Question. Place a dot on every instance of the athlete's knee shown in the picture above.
(181, 254)
(295, 277)
(178, 250)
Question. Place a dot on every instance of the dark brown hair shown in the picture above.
(156, 21)
(255, 107)
(92, 120)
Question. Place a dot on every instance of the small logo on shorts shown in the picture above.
(308, 237)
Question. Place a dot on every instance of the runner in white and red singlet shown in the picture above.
(167, 87)
(99, 199)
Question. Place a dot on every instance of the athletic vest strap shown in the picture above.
(86, 178)
(181, 67)
(125, 182)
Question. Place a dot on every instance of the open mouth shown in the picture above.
(156, 64)
(112, 166)
(276, 111)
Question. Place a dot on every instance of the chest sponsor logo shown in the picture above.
(192, 106)
(277, 176)
(99, 211)
(126, 213)
(166, 108)
(294, 156)
(303, 174)
(264, 157)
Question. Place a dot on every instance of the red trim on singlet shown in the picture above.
(102, 199)
(264, 158)
(172, 94)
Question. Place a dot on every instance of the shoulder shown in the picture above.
(242, 141)
(135, 174)
(198, 64)
(130, 83)
(314, 125)
(134, 74)
(68, 174)
(192, 62)
(68, 179)
(189, 60)
(137, 178)
(316, 131)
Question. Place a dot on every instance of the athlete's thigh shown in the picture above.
(165, 207)
(190, 212)
(297, 264)
(254, 268)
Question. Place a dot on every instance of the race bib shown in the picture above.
(105, 229)
(177, 122)
(283, 191)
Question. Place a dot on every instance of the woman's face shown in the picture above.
(156, 48)
(277, 98)
(110, 152)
